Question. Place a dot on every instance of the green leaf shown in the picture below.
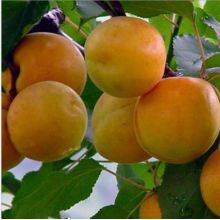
(142, 173)
(164, 27)
(90, 94)
(6, 214)
(10, 182)
(187, 53)
(215, 80)
(179, 195)
(17, 19)
(128, 198)
(89, 146)
(127, 171)
(186, 26)
(154, 8)
(56, 165)
(213, 23)
(110, 212)
(126, 204)
(148, 171)
(213, 61)
(88, 9)
(43, 196)
(69, 9)
(212, 8)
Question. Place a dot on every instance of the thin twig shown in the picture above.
(127, 180)
(139, 204)
(79, 158)
(203, 73)
(76, 27)
(7, 205)
(175, 32)
(105, 161)
(170, 20)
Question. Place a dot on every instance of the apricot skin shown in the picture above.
(47, 121)
(10, 156)
(47, 56)
(209, 182)
(113, 130)
(125, 56)
(150, 208)
(178, 120)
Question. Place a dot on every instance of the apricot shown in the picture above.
(10, 156)
(47, 121)
(7, 80)
(178, 120)
(113, 130)
(47, 56)
(150, 208)
(125, 56)
(209, 182)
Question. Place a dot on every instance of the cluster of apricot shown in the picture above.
(47, 119)
(140, 115)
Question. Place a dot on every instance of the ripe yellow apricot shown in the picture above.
(7, 80)
(10, 156)
(47, 56)
(47, 121)
(150, 208)
(125, 56)
(178, 120)
(113, 130)
(6, 101)
(210, 180)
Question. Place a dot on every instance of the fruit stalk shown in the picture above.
(117, 7)
(50, 22)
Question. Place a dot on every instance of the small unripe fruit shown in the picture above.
(113, 130)
(125, 56)
(150, 208)
(47, 56)
(209, 182)
(178, 120)
(47, 121)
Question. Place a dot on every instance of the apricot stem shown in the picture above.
(203, 73)
(131, 182)
(175, 32)
(14, 72)
(117, 7)
(76, 27)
